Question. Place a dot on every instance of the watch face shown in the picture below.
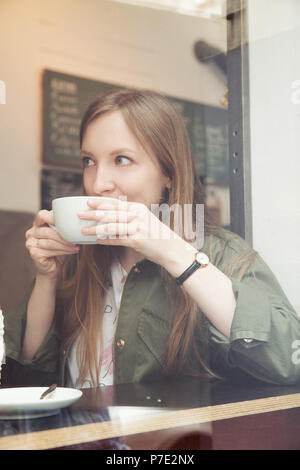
(202, 258)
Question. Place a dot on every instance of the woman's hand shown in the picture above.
(46, 247)
(133, 225)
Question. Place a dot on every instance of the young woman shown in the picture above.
(136, 306)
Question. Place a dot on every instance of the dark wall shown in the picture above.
(16, 268)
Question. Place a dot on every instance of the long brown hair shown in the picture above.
(160, 129)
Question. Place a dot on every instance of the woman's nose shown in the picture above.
(103, 181)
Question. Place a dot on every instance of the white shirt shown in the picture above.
(111, 307)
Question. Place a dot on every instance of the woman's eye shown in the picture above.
(87, 161)
(119, 159)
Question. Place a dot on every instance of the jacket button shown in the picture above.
(121, 343)
(137, 270)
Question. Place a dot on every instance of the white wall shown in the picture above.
(97, 39)
(274, 31)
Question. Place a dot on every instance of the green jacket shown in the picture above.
(262, 344)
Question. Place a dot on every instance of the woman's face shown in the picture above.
(115, 164)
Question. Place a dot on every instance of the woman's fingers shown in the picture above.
(55, 248)
(105, 216)
(41, 229)
(121, 229)
(42, 254)
(47, 233)
(46, 247)
(44, 217)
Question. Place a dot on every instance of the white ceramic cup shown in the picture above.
(67, 222)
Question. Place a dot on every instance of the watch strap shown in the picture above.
(190, 270)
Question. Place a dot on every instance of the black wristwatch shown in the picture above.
(201, 261)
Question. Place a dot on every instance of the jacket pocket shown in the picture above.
(154, 331)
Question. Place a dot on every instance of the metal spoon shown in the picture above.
(49, 390)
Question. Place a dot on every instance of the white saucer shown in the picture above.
(24, 402)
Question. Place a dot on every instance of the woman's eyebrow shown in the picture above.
(120, 150)
(114, 152)
(86, 152)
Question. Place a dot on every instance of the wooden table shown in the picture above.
(176, 414)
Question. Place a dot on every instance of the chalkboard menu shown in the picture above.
(59, 182)
(66, 97)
